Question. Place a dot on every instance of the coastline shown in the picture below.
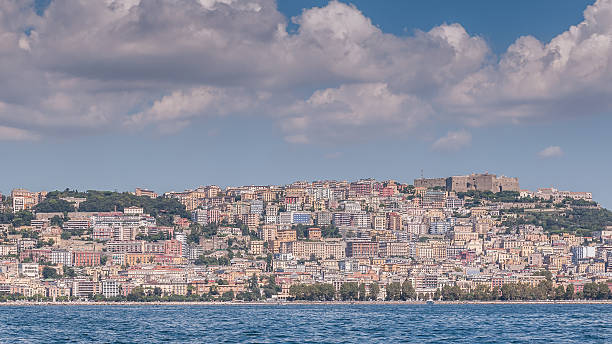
(305, 303)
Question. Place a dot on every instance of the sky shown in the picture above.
(170, 95)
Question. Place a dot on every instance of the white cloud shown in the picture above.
(9, 134)
(551, 152)
(569, 76)
(453, 141)
(353, 112)
(87, 65)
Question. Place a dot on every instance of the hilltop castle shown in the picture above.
(478, 182)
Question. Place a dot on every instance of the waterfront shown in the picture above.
(468, 323)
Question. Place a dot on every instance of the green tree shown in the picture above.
(374, 290)
(54, 205)
(50, 273)
(69, 272)
(349, 291)
(22, 218)
(408, 292)
(56, 220)
(394, 291)
(569, 292)
(362, 292)
(227, 296)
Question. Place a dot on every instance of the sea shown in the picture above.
(310, 323)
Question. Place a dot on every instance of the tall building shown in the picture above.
(25, 200)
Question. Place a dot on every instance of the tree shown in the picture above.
(54, 205)
(269, 266)
(569, 292)
(49, 273)
(22, 218)
(362, 292)
(227, 296)
(408, 292)
(312, 292)
(137, 294)
(374, 290)
(271, 288)
(69, 272)
(56, 220)
(254, 287)
(394, 291)
(349, 291)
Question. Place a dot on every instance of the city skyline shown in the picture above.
(303, 91)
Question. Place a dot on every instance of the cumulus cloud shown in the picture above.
(8, 134)
(568, 76)
(340, 113)
(88, 66)
(453, 141)
(551, 152)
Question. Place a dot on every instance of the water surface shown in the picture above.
(509, 323)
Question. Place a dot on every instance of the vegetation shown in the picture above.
(109, 201)
(253, 292)
(349, 291)
(582, 221)
(330, 231)
(401, 291)
(504, 196)
(50, 273)
(196, 231)
(313, 292)
(22, 218)
(204, 260)
(519, 291)
(159, 236)
(271, 288)
(54, 205)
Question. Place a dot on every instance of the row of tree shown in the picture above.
(524, 292)
(396, 291)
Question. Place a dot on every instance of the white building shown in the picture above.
(109, 288)
(133, 211)
(61, 257)
(29, 269)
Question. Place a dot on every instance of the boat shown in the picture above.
(430, 302)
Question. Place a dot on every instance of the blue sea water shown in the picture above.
(440, 323)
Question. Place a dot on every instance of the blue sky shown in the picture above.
(172, 115)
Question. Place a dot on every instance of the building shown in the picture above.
(86, 258)
(583, 252)
(299, 217)
(314, 233)
(61, 257)
(29, 270)
(26, 200)
(145, 192)
(133, 211)
(361, 249)
(482, 182)
(256, 247)
(84, 288)
(109, 288)
(430, 183)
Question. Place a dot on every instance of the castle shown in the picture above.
(478, 182)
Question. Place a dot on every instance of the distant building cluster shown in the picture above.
(260, 241)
